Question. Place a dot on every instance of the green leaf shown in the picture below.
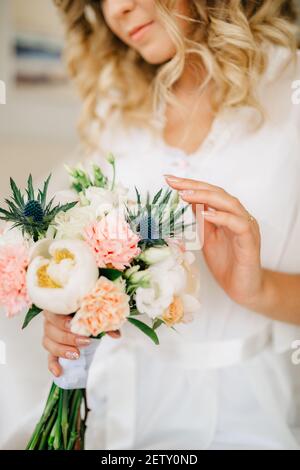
(32, 312)
(66, 207)
(134, 312)
(138, 196)
(111, 274)
(49, 205)
(7, 215)
(16, 193)
(44, 192)
(13, 209)
(157, 323)
(165, 200)
(100, 335)
(145, 329)
(30, 190)
(100, 180)
(157, 196)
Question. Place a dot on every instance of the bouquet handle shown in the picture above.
(75, 372)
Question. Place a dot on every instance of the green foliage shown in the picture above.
(156, 219)
(31, 314)
(31, 212)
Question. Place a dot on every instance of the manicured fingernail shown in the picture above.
(171, 178)
(72, 355)
(186, 192)
(83, 341)
(54, 371)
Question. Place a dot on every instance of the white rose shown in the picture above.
(70, 224)
(11, 236)
(155, 299)
(103, 200)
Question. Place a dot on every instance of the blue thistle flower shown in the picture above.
(34, 210)
(148, 228)
(30, 211)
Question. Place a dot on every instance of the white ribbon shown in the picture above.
(75, 373)
(112, 382)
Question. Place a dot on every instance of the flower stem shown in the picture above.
(50, 405)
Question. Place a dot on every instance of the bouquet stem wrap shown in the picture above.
(75, 372)
(62, 425)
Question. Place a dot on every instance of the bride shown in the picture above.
(198, 95)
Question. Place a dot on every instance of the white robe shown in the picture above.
(227, 380)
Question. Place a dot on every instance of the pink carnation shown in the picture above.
(104, 309)
(112, 241)
(14, 261)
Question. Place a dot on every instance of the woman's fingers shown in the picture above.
(186, 183)
(60, 350)
(114, 334)
(199, 192)
(54, 366)
(60, 321)
(236, 224)
(214, 199)
(64, 337)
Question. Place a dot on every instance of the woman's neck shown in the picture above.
(193, 76)
(188, 125)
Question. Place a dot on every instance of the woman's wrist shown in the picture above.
(277, 297)
(265, 300)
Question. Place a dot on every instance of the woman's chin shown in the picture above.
(155, 56)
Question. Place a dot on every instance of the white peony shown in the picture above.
(60, 274)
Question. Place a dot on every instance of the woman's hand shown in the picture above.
(232, 241)
(59, 341)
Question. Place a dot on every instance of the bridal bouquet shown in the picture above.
(93, 253)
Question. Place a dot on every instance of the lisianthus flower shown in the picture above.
(104, 309)
(155, 254)
(112, 241)
(174, 313)
(171, 293)
(14, 260)
(156, 298)
(181, 309)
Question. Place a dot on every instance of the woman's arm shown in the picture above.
(279, 297)
(231, 248)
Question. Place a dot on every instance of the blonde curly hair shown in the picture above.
(227, 35)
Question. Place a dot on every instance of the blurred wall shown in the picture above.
(36, 15)
(38, 122)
